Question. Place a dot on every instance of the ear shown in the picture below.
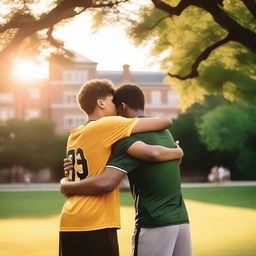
(123, 106)
(101, 103)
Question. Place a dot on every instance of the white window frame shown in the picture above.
(73, 121)
(6, 97)
(6, 113)
(34, 93)
(69, 97)
(156, 98)
(75, 76)
(32, 113)
(172, 99)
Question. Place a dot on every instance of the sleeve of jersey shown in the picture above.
(121, 146)
(123, 162)
(119, 159)
(112, 129)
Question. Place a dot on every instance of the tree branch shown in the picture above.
(203, 56)
(52, 40)
(251, 6)
(177, 10)
(27, 26)
(98, 4)
(17, 21)
(237, 32)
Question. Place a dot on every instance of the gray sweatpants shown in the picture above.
(163, 241)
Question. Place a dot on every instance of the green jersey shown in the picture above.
(154, 186)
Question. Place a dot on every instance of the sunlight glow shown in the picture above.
(109, 46)
(28, 70)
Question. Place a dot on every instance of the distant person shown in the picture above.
(221, 174)
(213, 175)
(162, 224)
(227, 175)
(88, 224)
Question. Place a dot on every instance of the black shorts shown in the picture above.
(101, 242)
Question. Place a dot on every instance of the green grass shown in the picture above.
(46, 203)
(126, 198)
(30, 204)
(230, 196)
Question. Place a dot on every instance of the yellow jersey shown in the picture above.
(90, 148)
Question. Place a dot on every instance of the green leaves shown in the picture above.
(177, 42)
(218, 132)
(32, 144)
(225, 128)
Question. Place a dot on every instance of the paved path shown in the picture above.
(55, 186)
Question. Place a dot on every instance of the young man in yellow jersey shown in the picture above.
(88, 223)
(162, 224)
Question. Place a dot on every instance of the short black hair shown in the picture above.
(131, 95)
(91, 91)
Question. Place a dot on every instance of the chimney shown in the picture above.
(126, 73)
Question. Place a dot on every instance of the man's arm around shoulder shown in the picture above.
(154, 153)
(152, 124)
(94, 185)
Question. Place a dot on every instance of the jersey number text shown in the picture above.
(78, 159)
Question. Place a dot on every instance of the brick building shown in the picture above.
(55, 98)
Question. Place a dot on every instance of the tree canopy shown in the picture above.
(235, 18)
(217, 132)
(231, 128)
(34, 20)
(27, 27)
(206, 47)
(32, 144)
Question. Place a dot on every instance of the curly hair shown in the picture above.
(93, 90)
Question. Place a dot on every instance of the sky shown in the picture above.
(109, 47)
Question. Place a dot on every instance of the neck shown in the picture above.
(135, 113)
(95, 115)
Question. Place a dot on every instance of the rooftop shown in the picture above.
(78, 58)
(137, 77)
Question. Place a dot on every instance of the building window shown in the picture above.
(75, 76)
(6, 114)
(172, 99)
(6, 97)
(70, 97)
(34, 93)
(156, 114)
(73, 121)
(32, 113)
(156, 98)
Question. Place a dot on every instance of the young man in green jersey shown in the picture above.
(161, 218)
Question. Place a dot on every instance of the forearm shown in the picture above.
(152, 124)
(161, 153)
(94, 185)
(153, 153)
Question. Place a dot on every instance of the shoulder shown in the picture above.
(115, 121)
(121, 146)
(112, 119)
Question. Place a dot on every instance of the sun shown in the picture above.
(28, 70)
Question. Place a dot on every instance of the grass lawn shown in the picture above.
(230, 196)
(48, 203)
(30, 204)
(223, 222)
